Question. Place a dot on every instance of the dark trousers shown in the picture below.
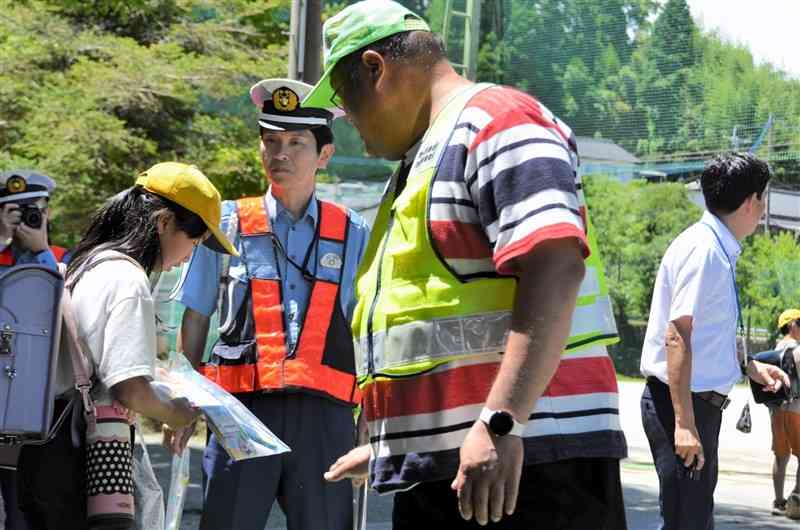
(52, 482)
(240, 495)
(8, 484)
(577, 494)
(686, 504)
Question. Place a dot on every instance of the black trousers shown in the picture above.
(15, 520)
(51, 480)
(577, 494)
(686, 504)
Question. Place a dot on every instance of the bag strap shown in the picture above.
(82, 366)
(89, 264)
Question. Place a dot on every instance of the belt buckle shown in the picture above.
(725, 402)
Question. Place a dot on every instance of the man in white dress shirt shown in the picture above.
(690, 357)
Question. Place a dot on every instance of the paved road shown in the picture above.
(744, 493)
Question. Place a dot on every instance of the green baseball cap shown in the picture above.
(353, 28)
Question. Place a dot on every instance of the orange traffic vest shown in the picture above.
(322, 362)
(7, 256)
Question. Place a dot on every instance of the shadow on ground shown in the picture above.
(641, 508)
(641, 503)
(380, 508)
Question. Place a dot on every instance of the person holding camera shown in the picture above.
(786, 426)
(690, 355)
(24, 240)
(24, 196)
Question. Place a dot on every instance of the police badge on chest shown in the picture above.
(331, 261)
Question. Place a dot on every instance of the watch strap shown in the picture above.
(486, 417)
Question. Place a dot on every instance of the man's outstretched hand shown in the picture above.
(353, 465)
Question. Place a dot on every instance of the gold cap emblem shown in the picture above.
(285, 99)
(16, 184)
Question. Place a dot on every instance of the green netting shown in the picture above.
(639, 73)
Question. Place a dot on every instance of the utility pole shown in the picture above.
(305, 41)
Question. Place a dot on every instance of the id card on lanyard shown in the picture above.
(740, 322)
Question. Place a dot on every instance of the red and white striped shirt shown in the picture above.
(507, 182)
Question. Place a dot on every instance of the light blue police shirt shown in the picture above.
(200, 287)
(25, 257)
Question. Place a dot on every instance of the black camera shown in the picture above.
(31, 215)
(787, 359)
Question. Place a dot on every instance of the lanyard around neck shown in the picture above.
(739, 320)
(303, 269)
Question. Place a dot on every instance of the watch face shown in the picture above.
(501, 423)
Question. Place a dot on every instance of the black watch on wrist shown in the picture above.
(501, 422)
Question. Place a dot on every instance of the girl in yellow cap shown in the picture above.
(79, 482)
(785, 420)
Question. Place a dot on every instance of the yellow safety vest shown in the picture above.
(413, 314)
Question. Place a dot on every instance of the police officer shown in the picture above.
(24, 196)
(285, 347)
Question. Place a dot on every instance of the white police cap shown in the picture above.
(23, 186)
(278, 101)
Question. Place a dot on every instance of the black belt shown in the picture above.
(715, 399)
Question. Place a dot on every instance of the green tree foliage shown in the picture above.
(635, 224)
(92, 92)
(673, 38)
(569, 54)
(768, 274)
(639, 72)
(671, 52)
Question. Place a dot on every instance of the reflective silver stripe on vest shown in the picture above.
(596, 318)
(590, 286)
(435, 339)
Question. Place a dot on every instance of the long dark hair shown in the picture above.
(128, 223)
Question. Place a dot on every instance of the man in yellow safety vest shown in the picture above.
(482, 313)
